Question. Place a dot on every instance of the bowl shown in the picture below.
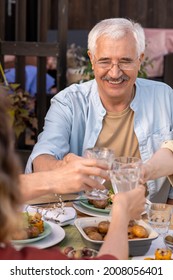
(137, 246)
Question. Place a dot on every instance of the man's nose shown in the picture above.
(115, 69)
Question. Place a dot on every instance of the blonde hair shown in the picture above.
(10, 197)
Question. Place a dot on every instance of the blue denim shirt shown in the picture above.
(75, 117)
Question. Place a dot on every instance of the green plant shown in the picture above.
(143, 72)
(21, 105)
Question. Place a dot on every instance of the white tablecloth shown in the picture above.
(156, 243)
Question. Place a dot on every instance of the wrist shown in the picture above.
(120, 210)
(148, 172)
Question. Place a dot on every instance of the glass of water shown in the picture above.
(125, 173)
(159, 217)
(107, 156)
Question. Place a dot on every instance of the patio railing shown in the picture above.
(40, 49)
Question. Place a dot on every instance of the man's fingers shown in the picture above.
(91, 184)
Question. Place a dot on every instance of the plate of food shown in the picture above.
(93, 230)
(88, 211)
(101, 206)
(94, 207)
(56, 236)
(31, 229)
(45, 233)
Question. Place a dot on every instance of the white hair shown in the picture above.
(117, 28)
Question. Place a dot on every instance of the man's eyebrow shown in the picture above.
(126, 59)
(104, 58)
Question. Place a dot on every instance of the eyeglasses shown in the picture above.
(124, 65)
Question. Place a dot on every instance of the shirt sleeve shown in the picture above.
(169, 145)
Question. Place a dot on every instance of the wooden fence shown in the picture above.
(40, 49)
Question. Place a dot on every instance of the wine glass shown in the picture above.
(125, 173)
(107, 156)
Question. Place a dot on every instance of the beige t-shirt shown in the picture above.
(169, 145)
(118, 134)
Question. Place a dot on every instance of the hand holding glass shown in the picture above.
(107, 156)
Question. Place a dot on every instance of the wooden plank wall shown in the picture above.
(84, 14)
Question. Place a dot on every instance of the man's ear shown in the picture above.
(141, 58)
(91, 57)
(89, 54)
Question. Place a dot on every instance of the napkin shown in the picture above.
(60, 216)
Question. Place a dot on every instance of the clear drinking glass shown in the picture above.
(106, 155)
(159, 217)
(125, 173)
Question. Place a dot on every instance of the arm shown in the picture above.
(49, 162)
(59, 134)
(45, 163)
(160, 164)
(72, 176)
(126, 206)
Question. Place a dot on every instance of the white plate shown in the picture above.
(88, 211)
(137, 246)
(57, 235)
(93, 213)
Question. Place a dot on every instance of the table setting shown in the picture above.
(66, 216)
(125, 174)
(70, 234)
(55, 216)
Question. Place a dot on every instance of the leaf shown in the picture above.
(20, 110)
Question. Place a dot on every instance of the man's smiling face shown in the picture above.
(115, 64)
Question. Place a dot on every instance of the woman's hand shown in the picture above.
(131, 203)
